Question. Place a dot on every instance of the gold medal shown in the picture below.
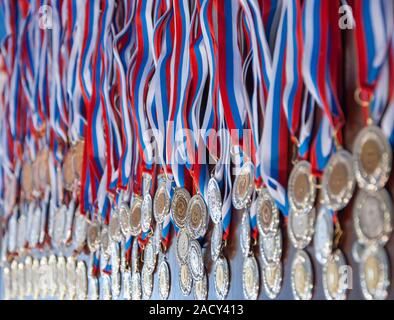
(179, 205)
(161, 202)
(221, 278)
(135, 217)
(71, 278)
(301, 276)
(333, 284)
(250, 278)
(185, 280)
(272, 279)
(197, 217)
(243, 186)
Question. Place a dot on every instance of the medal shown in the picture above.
(300, 228)
(146, 213)
(134, 256)
(243, 186)
(27, 180)
(245, 234)
(164, 280)
(157, 238)
(372, 217)
(161, 202)
(302, 190)
(216, 241)
(338, 180)
(7, 283)
(182, 246)
(221, 278)
(28, 276)
(374, 273)
(115, 258)
(147, 283)
(14, 279)
(301, 276)
(52, 275)
(68, 171)
(105, 242)
(21, 233)
(372, 159)
(71, 278)
(135, 217)
(124, 218)
(35, 229)
(12, 232)
(93, 288)
(201, 288)
(81, 281)
(114, 229)
(197, 217)
(61, 272)
(80, 230)
(21, 280)
(93, 236)
(77, 159)
(36, 278)
(126, 282)
(185, 280)
(272, 279)
(250, 278)
(43, 276)
(323, 236)
(115, 284)
(106, 285)
(214, 201)
(60, 222)
(195, 261)
(179, 205)
(334, 288)
(267, 213)
(136, 286)
(270, 247)
(149, 257)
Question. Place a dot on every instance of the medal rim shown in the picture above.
(239, 204)
(273, 292)
(204, 294)
(339, 259)
(201, 231)
(222, 293)
(322, 254)
(182, 259)
(265, 196)
(179, 192)
(195, 245)
(216, 246)
(308, 232)
(186, 288)
(146, 213)
(164, 267)
(251, 295)
(245, 243)
(306, 261)
(214, 211)
(135, 230)
(277, 251)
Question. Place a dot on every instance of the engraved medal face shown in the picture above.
(201, 288)
(124, 216)
(250, 278)
(135, 217)
(149, 257)
(161, 202)
(197, 217)
(272, 279)
(300, 228)
(147, 283)
(323, 236)
(302, 190)
(267, 213)
(164, 280)
(71, 278)
(136, 286)
(146, 213)
(185, 280)
(82, 281)
(214, 201)
(60, 222)
(115, 232)
(372, 159)
(302, 276)
(179, 206)
(372, 217)
(93, 237)
(270, 247)
(182, 246)
(195, 261)
(216, 241)
(374, 273)
(338, 181)
(61, 272)
(243, 186)
(43, 169)
(80, 230)
(245, 234)
(334, 287)
(221, 278)
(93, 284)
(105, 242)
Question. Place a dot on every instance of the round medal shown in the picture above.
(267, 213)
(338, 180)
(300, 228)
(36, 278)
(195, 261)
(216, 241)
(245, 234)
(374, 273)
(182, 246)
(149, 257)
(164, 280)
(372, 216)
(179, 206)
(302, 276)
(124, 218)
(43, 276)
(197, 217)
(243, 187)
(372, 158)
(68, 171)
(135, 217)
(323, 236)
(105, 242)
(201, 288)
(93, 236)
(71, 278)
(146, 213)
(94, 293)
(250, 278)
(136, 286)
(147, 283)
(214, 201)
(106, 285)
(82, 281)
(302, 187)
(114, 229)
(272, 279)
(52, 275)
(221, 278)
(77, 159)
(185, 280)
(60, 222)
(126, 282)
(28, 276)
(134, 256)
(115, 285)
(61, 272)
(161, 202)
(334, 287)
(270, 247)
(21, 238)
(80, 230)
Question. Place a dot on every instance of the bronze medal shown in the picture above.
(68, 171)
(179, 206)
(370, 156)
(334, 287)
(27, 180)
(43, 169)
(197, 217)
(161, 202)
(93, 236)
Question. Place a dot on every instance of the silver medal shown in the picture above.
(114, 229)
(134, 256)
(61, 272)
(214, 201)
(243, 186)
(115, 285)
(323, 236)
(21, 232)
(135, 217)
(302, 187)
(272, 279)
(36, 278)
(161, 202)
(146, 213)
(35, 229)
(94, 293)
(106, 285)
(82, 281)
(21, 280)
(221, 277)
(267, 213)
(270, 247)
(43, 276)
(126, 282)
(124, 218)
(372, 216)
(245, 234)
(71, 278)
(93, 236)
(136, 289)
(185, 280)
(60, 221)
(147, 283)
(301, 276)
(250, 278)
(216, 241)
(164, 280)
(149, 257)
(7, 282)
(179, 205)
(28, 276)
(201, 288)
(300, 228)
(334, 287)
(195, 261)
(80, 230)
(182, 246)
(197, 217)
(105, 242)
(52, 275)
